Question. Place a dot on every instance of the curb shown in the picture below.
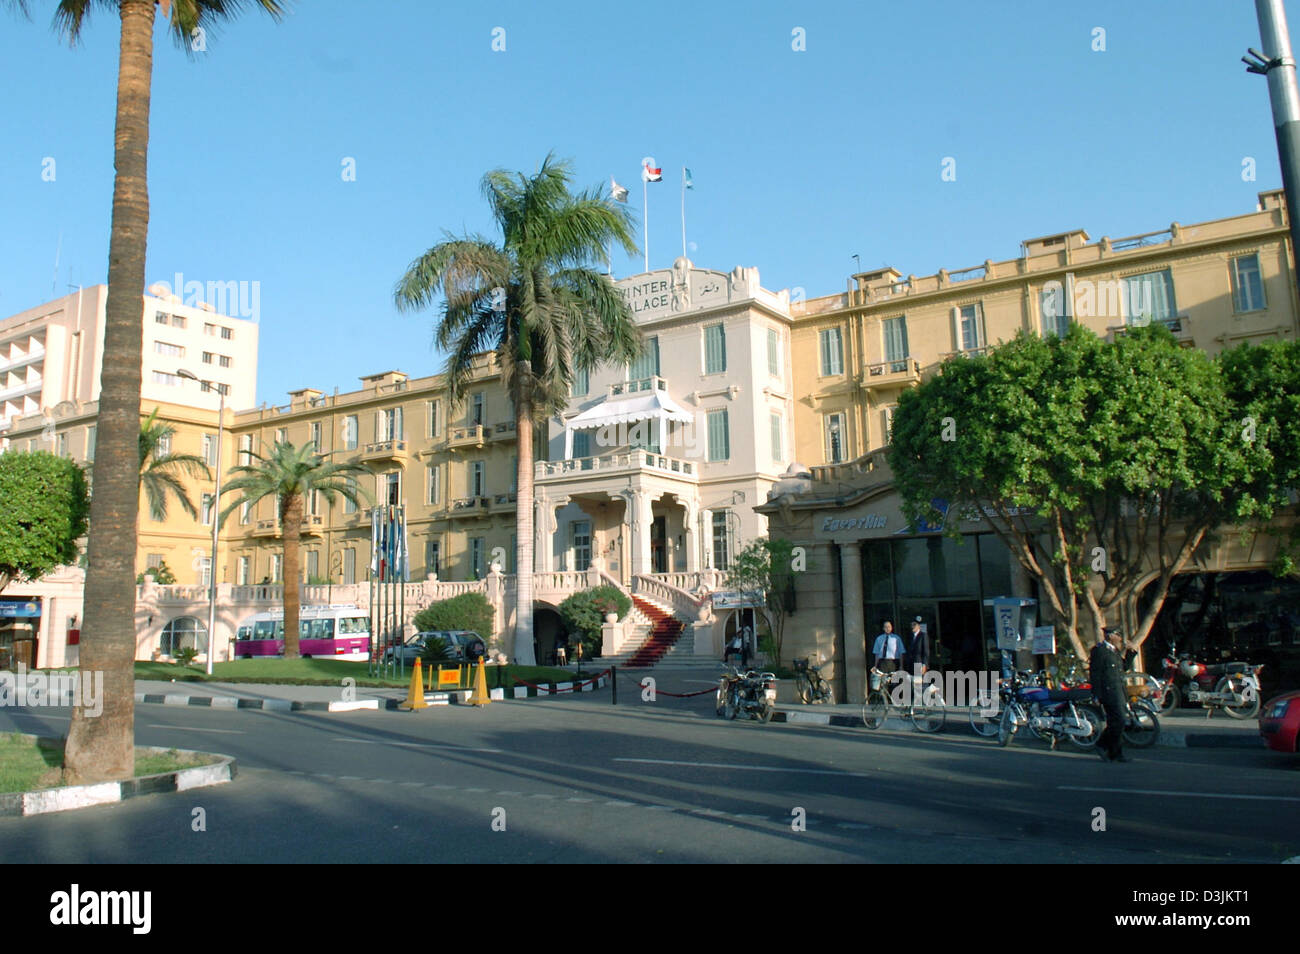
(70, 797)
(1167, 740)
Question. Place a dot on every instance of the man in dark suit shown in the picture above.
(1106, 672)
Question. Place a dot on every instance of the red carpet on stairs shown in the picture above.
(665, 628)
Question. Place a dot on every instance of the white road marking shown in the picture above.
(1152, 791)
(418, 745)
(190, 728)
(749, 768)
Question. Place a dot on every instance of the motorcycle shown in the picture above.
(1231, 686)
(1051, 714)
(752, 693)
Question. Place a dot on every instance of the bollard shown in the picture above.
(613, 683)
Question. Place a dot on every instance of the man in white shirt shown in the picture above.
(888, 649)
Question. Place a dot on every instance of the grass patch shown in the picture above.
(331, 672)
(28, 766)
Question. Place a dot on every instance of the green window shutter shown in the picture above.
(715, 349)
(719, 436)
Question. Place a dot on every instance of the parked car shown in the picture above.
(1279, 722)
(462, 645)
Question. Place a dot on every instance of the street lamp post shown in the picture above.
(216, 509)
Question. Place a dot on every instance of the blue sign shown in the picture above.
(922, 526)
(15, 609)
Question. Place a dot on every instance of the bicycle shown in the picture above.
(809, 684)
(927, 715)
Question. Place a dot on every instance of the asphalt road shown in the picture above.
(578, 780)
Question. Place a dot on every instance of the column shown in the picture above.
(855, 647)
(690, 519)
(541, 536)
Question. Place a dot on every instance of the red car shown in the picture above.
(1279, 722)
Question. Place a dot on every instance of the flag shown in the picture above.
(650, 174)
(617, 192)
(687, 179)
(374, 541)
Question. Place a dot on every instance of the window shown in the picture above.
(894, 332)
(388, 425)
(476, 409)
(282, 435)
(350, 506)
(777, 451)
(889, 422)
(209, 329)
(969, 327)
(61, 444)
(187, 632)
(715, 349)
(773, 352)
(277, 568)
(227, 333)
(832, 351)
(154, 561)
(432, 409)
(1150, 297)
(581, 444)
(223, 388)
(476, 557)
(160, 317)
(207, 357)
(162, 377)
(835, 438)
(223, 360)
(313, 565)
(349, 566)
(205, 571)
(350, 430)
(432, 556)
(431, 481)
(719, 436)
(245, 512)
(243, 572)
(205, 511)
(170, 350)
(313, 432)
(1247, 284)
(580, 541)
(581, 386)
(647, 363)
(512, 555)
(91, 433)
(721, 539)
(210, 449)
(1051, 303)
(476, 478)
(178, 321)
(313, 503)
(393, 489)
(246, 450)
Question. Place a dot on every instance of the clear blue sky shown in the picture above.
(800, 159)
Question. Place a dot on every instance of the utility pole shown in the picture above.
(1278, 65)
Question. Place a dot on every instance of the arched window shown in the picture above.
(186, 631)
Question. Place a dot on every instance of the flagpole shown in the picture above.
(645, 217)
(683, 211)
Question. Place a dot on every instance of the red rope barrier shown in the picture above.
(665, 692)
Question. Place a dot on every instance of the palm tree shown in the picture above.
(290, 474)
(161, 470)
(104, 748)
(536, 301)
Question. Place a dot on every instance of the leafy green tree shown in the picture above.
(161, 470)
(764, 573)
(1094, 462)
(539, 304)
(104, 747)
(470, 611)
(290, 474)
(584, 613)
(43, 507)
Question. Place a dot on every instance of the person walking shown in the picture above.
(917, 656)
(1106, 672)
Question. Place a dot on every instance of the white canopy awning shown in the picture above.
(655, 405)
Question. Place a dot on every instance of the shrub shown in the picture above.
(584, 614)
(186, 655)
(436, 650)
(162, 575)
(469, 611)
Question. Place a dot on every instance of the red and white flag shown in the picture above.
(651, 174)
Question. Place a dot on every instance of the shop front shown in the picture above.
(20, 624)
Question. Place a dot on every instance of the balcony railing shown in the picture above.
(504, 501)
(470, 506)
(653, 383)
(472, 436)
(892, 372)
(384, 450)
(504, 431)
(612, 463)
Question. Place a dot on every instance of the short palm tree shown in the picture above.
(539, 303)
(103, 748)
(161, 470)
(290, 474)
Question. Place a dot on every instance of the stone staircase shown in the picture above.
(662, 640)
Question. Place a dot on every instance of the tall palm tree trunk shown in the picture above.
(524, 654)
(104, 747)
(291, 532)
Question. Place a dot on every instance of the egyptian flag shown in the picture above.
(650, 174)
(616, 191)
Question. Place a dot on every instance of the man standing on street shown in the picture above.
(1106, 672)
(888, 650)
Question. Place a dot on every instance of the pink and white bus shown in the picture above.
(330, 632)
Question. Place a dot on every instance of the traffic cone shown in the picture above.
(415, 698)
(480, 696)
